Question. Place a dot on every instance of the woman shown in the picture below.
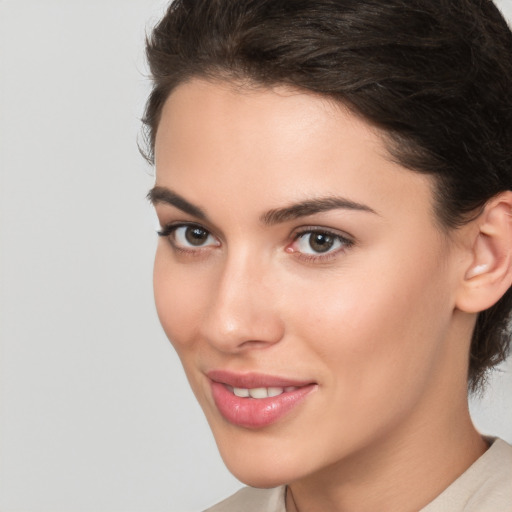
(333, 182)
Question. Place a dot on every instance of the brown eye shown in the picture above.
(191, 236)
(196, 235)
(321, 242)
(318, 242)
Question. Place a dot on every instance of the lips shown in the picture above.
(255, 400)
(260, 393)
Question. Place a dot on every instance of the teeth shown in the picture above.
(241, 392)
(258, 393)
(261, 392)
(274, 391)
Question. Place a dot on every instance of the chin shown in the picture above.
(262, 477)
(261, 464)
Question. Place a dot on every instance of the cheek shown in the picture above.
(376, 341)
(177, 302)
(376, 329)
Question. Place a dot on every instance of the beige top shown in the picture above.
(486, 486)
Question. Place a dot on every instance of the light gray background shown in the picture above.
(95, 412)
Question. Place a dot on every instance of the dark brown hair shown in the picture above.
(434, 75)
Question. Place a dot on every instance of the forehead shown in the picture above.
(248, 113)
(279, 144)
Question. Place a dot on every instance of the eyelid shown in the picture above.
(347, 241)
(170, 228)
(303, 230)
(170, 219)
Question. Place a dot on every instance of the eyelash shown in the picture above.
(169, 230)
(345, 243)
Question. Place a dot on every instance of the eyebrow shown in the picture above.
(165, 195)
(275, 216)
(310, 207)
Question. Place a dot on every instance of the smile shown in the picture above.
(259, 393)
(256, 401)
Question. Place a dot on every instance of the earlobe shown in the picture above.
(489, 274)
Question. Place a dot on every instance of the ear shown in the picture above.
(489, 274)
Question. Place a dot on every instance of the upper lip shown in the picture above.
(254, 380)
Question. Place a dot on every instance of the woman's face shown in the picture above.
(302, 267)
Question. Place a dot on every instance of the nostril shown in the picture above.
(254, 344)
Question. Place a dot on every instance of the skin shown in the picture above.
(375, 322)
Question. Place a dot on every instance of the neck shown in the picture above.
(392, 477)
(407, 467)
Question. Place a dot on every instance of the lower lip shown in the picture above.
(256, 412)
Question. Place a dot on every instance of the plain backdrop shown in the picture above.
(95, 412)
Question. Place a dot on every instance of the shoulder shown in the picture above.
(484, 487)
(250, 499)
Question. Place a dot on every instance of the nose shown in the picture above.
(243, 313)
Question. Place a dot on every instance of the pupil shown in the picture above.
(321, 242)
(196, 236)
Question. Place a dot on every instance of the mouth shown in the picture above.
(259, 393)
(256, 401)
